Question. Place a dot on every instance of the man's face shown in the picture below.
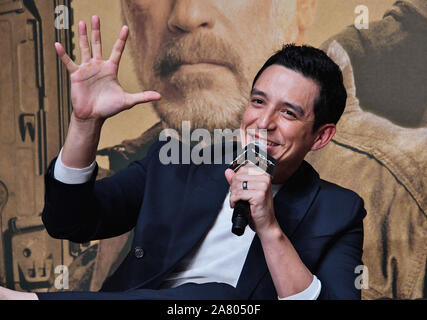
(280, 113)
(201, 54)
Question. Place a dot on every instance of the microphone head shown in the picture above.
(261, 145)
(255, 153)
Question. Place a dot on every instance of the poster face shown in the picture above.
(202, 56)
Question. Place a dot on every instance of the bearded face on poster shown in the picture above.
(202, 60)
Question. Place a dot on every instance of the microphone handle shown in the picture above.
(241, 214)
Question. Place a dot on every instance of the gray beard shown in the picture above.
(203, 102)
(207, 111)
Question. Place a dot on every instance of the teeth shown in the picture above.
(265, 142)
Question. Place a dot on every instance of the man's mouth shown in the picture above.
(199, 65)
(199, 49)
(203, 61)
(272, 144)
(170, 67)
(267, 142)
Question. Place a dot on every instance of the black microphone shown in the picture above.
(255, 153)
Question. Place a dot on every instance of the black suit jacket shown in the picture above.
(172, 207)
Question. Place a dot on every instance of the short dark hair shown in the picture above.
(314, 64)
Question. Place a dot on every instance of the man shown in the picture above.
(390, 159)
(165, 37)
(307, 234)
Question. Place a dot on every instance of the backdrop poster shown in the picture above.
(378, 150)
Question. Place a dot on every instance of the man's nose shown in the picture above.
(189, 15)
(267, 120)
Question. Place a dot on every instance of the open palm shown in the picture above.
(95, 90)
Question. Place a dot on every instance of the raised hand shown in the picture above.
(95, 90)
(95, 93)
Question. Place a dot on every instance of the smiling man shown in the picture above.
(305, 237)
(296, 100)
(287, 99)
(202, 56)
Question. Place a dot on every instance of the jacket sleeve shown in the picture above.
(95, 209)
(337, 269)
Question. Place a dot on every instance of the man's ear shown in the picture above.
(323, 135)
(306, 10)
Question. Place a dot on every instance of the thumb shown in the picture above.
(229, 174)
(132, 99)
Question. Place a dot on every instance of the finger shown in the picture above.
(252, 196)
(252, 170)
(119, 46)
(84, 43)
(142, 97)
(245, 195)
(69, 64)
(250, 185)
(229, 174)
(248, 176)
(96, 38)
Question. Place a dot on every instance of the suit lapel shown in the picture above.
(204, 195)
(293, 200)
(291, 204)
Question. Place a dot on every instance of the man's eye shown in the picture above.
(289, 114)
(257, 101)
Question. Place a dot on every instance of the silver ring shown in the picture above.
(245, 185)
